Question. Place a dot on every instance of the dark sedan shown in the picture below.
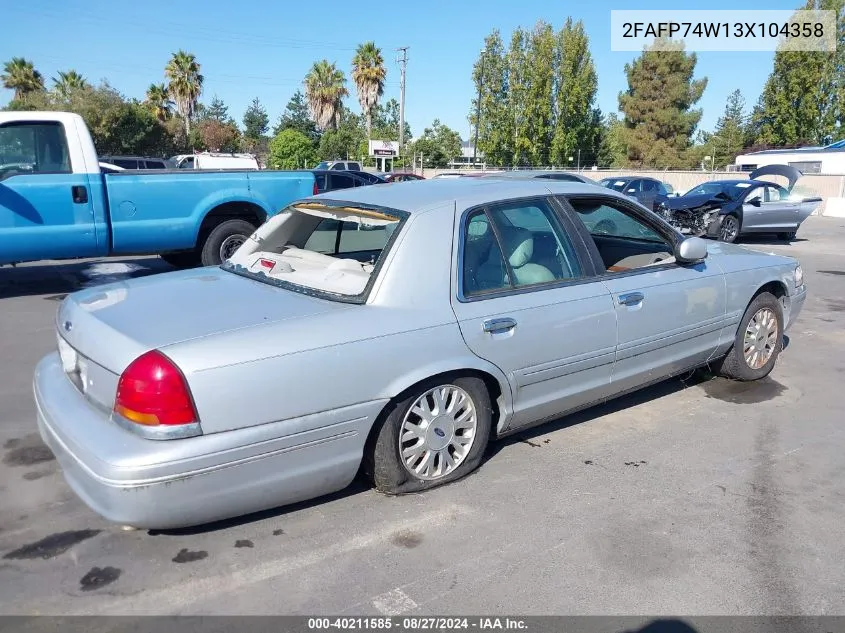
(649, 192)
(330, 180)
(728, 209)
(402, 177)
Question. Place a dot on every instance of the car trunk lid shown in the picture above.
(113, 324)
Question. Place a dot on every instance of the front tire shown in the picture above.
(729, 228)
(223, 240)
(435, 434)
(758, 341)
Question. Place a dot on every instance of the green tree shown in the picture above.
(325, 88)
(218, 111)
(439, 145)
(185, 84)
(158, 102)
(386, 122)
(295, 117)
(490, 75)
(368, 73)
(576, 84)
(728, 139)
(68, 81)
(291, 149)
(20, 75)
(518, 63)
(217, 136)
(659, 119)
(612, 152)
(256, 122)
(348, 139)
(539, 102)
(801, 102)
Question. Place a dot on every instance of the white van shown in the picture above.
(213, 160)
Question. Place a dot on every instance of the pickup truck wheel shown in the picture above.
(224, 240)
(437, 433)
(758, 341)
(181, 260)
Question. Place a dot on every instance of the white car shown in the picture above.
(214, 160)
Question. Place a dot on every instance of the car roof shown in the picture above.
(418, 196)
(537, 173)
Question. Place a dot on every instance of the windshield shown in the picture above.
(322, 165)
(617, 184)
(729, 190)
(326, 248)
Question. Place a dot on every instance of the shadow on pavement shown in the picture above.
(59, 279)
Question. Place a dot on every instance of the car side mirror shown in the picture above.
(755, 202)
(691, 250)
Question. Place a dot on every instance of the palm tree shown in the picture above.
(183, 73)
(20, 75)
(368, 73)
(158, 101)
(68, 82)
(325, 88)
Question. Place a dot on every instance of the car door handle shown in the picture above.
(79, 194)
(499, 325)
(631, 298)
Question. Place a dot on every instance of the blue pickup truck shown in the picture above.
(56, 202)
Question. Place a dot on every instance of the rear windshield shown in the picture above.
(325, 248)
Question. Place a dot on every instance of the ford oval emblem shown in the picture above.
(68, 326)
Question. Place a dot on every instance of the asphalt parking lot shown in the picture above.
(697, 496)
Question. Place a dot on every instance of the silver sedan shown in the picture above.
(401, 327)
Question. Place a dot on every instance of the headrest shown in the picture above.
(478, 227)
(519, 246)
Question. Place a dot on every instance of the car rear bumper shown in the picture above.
(140, 482)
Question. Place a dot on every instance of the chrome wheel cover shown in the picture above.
(729, 228)
(761, 338)
(230, 245)
(438, 432)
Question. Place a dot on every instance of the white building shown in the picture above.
(465, 159)
(829, 159)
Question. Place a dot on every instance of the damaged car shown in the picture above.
(729, 209)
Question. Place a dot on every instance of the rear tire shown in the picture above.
(226, 236)
(185, 259)
(787, 237)
(384, 463)
(758, 341)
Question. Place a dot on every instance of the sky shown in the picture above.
(250, 48)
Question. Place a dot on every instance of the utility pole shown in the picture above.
(403, 62)
(478, 109)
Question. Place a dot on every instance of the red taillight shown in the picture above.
(152, 391)
(316, 188)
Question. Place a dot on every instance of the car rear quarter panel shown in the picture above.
(366, 353)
